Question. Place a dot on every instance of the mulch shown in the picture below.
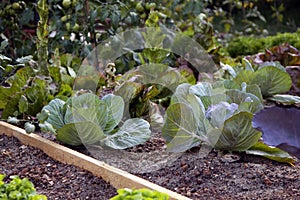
(52, 178)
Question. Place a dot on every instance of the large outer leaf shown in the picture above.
(83, 101)
(115, 105)
(272, 153)
(163, 79)
(181, 129)
(11, 104)
(87, 107)
(197, 105)
(272, 80)
(56, 114)
(80, 133)
(133, 132)
(23, 104)
(238, 134)
(182, 96)
(280, 127)
(285, 99)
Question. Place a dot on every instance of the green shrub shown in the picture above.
(251, 45)
(18, 189)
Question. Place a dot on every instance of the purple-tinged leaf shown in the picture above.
(280, 127)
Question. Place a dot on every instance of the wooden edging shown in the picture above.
(116, 177)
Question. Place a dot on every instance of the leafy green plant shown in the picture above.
(139, 194)
(86, 119)
(91, 21)
(152, 80)
(252, 16)
(18, 189)
(214, 115)
(13, 88)
(272, 153)
(270, 79)
(24, 91)
(148, 83)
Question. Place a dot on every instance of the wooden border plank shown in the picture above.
(116, 177)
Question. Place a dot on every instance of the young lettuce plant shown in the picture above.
(140, 194)
(18, 189)
(86, 119)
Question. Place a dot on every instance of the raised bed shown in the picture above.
(211, 177)
(116, 177)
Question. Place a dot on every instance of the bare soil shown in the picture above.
(215, 176)
(223, 175)
(50, 177)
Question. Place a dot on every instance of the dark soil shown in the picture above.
(294, 72)
(215, 176)
(50, 177)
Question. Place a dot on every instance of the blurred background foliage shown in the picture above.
(76, 26)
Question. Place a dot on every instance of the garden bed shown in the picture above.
(115, 177)
(211, 177)
(216, 177)
(162, 95)
(52, 178)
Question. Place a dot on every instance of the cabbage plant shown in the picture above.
(211, 114)
(271, 77)
(86, 119)
(148, 83)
